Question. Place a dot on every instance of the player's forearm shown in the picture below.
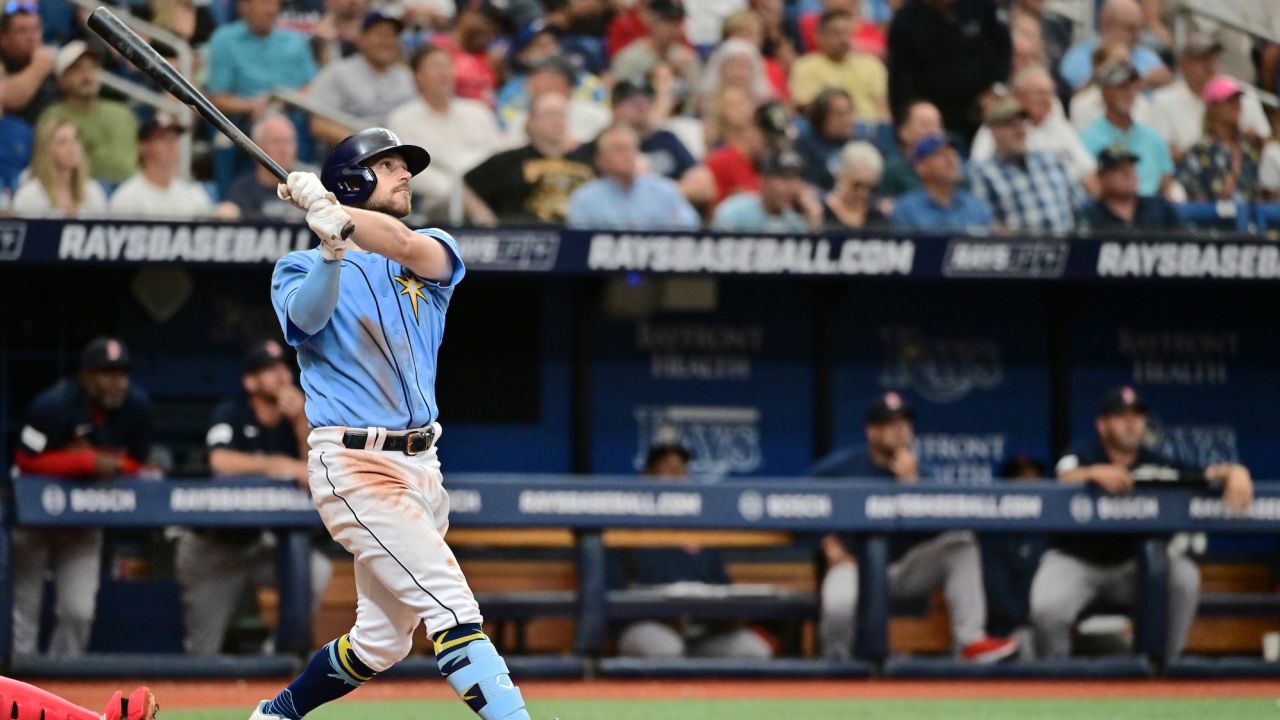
(382, 234)
(1079, 476)
(317, 297)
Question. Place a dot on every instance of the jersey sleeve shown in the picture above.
(455, 255)
(47, 427)
(290, 271)
(224, 432)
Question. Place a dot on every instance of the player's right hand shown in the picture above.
(1112, 478)
(304, 190)
(327, 219)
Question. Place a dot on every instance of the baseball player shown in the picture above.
(367, 316)
(1078, 569)
(23, 701)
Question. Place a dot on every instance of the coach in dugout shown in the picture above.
(920, 564)
(96, 425)
(261, 432)
(1078, 569)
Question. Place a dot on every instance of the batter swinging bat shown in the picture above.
(145, 58)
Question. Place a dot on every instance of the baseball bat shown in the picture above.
(136, 50)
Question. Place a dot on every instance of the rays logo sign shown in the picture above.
(942, 370)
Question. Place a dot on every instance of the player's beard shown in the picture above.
(396, 204)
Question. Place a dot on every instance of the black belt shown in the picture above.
(409, 443)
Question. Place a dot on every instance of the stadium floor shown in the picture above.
(756, 700)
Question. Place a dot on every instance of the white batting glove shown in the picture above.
(303, 189)
(327, 219)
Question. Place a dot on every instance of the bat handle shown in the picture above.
(348, 230)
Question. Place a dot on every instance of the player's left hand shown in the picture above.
(327, 219)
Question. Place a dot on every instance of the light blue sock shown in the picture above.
(475, 670)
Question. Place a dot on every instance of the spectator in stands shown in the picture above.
(835, 64)
(773, 209)
(1027, 190)
(537, 48)
(663, 152)
(747, 25)
(556, 75)
(1009, 563)
(920, 565)
(745, 143)
(867, 36)
(1178, 109)
(1055, 30)
(830, 127)
(1223, 165)
(851, 204)
(366, 86)
(735, 63)
(920, 120)
(59, 184)
(1119, 82)
(1047, 130)
(252, 196)
(1269, 165)
(263, 433)
(96, 425)
(1078, 569)
(664, 566)
(157, 191)
(1028, 45)
(1086, 105)
(733, 110)
(337, 34)
(471, 42)
(250, 58)
(951, 53)
(1120, 22)
(663, 41)
(15, 150)
(623, 197)
(460, 132)
(107, 128)
(32, 85)
(939, 205)
(1119, 206)
(531, 183)
(193, 23)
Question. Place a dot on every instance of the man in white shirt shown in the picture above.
(1178, 109)
(1047, 130)
(156, 191)
(460, 132)
(367, 85)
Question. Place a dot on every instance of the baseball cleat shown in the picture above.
(260, 713)
(989, 649)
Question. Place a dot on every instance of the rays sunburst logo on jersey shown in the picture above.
(410, 285)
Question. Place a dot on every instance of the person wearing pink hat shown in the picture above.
(1223, 165)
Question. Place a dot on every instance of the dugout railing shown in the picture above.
(591, 505)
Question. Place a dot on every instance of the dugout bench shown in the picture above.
(601, 511)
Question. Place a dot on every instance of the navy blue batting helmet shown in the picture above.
(346, 173)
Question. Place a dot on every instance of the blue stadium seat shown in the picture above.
(1215, 215)
(1267, 215)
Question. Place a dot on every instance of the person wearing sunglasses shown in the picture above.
(851, 203)
(27, 62)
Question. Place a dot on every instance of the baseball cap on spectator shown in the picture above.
(557, 64)
(624, 90)
(667, 9)
(69, 54)
(1115, 155)
(261, 355)
(375, 17)
(1199, 44)
(105, 353)
(1115, 74)
(888, 407)
(783, 162)
(531, 31)
(158, 125)
(928, 145)
(773, 120)
(1004, 110)
(1121, 400)
(1220, 88)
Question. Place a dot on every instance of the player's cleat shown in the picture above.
(260, 712)
(989, 649)
(139, 705)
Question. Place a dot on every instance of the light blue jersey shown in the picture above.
(374, 363)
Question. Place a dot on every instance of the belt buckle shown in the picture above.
(418, 441)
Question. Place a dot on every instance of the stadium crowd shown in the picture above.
(738, 115)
